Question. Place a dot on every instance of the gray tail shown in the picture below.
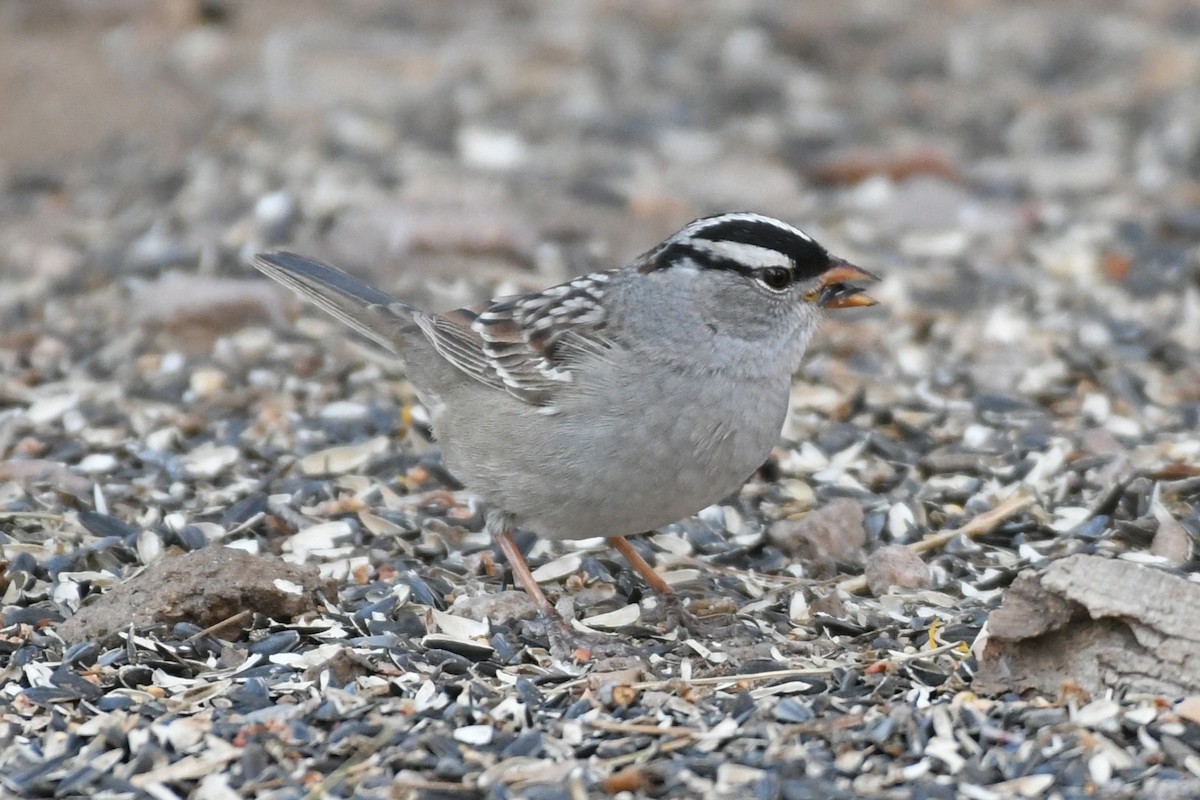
(375, 314)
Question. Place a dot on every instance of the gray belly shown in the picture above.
(623, 473)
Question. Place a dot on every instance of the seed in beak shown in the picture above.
(834, 290)
(841, 295)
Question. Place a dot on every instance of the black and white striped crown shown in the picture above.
(742, 242)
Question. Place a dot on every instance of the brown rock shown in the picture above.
(853, 166)
(1099, 442)
(344, 668)
(500, 608)
(832, 533)
(36, 471)
(1171, 541)
(203, 587)
(895, 565)
(1095, 624)
(827, 603)
(1029, 610)
(194, 310)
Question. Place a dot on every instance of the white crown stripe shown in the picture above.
(743, 216)
(751, 255)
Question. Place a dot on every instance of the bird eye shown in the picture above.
(776, 278)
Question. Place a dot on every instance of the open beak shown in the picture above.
(833, 290)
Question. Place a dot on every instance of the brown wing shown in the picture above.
(525, 344)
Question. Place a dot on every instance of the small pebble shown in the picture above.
(98, 464)
(895, 566)
(207, 382)
(834, 532)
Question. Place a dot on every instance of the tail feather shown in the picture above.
(375, 314)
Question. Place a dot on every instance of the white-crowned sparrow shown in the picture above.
(620, 401)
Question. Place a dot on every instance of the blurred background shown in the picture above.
(982, 155)
(1024, 175)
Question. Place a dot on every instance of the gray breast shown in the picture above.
(624, 457)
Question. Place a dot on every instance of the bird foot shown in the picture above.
(719, 627)
(570, 644)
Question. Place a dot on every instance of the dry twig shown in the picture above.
(981, 525)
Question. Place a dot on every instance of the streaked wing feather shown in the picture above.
(461, 347)
(527, 344)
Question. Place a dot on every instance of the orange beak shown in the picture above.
(833, 290)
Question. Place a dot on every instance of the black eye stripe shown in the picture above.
(704, 259)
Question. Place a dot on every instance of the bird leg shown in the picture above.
(676, 613)
(565, 641)
(502, 533)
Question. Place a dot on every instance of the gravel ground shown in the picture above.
(1022, 405)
